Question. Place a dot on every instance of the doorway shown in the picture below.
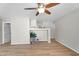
(7, 33)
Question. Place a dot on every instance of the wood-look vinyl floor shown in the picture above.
(36, 49)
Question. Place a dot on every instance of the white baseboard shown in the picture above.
(68, 46)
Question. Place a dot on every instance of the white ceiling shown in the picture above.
(10, 10)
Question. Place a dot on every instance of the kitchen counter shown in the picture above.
(39, 29)
(43, 33)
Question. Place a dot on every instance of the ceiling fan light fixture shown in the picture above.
(41, 10)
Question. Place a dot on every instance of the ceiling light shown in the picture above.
(41, 10)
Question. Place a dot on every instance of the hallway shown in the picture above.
(36, 49)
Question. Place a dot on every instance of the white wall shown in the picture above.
(17, 9)
(47, 24)
(2, 8)
(33, 23)
(0, 31)
(67, 30)
(20, 31)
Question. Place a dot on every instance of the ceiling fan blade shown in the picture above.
(30, 8)
(47, 12)
(37, 13)
(51, 5)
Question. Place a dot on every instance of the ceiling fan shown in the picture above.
(42, 8)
